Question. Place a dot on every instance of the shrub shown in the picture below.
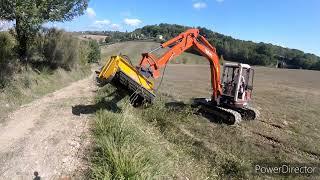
(94, 54)
(83, 53)
(60, 49)
(108, 39)
(7, 45)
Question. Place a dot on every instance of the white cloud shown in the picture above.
(91, 12)
(103, 22)
(219, 1)
(199, 5)
(132, 22)
(105, 25)
(115, 27)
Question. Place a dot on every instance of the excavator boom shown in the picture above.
(191, 38)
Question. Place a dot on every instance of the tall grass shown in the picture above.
(129, 147)
(123, 150)
(157, 142)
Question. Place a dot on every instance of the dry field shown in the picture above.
(286, 132)
(93, 37)
(289, 102)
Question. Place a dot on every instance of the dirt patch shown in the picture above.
(93, 37)
(46, 137)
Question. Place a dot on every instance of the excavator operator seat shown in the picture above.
(237, 83)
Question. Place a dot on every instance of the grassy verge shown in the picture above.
(29, 85)
(122, 148)
(167, 141)
(154, 143)
(129, 147)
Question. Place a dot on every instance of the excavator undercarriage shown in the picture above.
(225, 114)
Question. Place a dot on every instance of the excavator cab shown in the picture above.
(237, 84)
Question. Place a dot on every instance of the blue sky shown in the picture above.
(289, 23)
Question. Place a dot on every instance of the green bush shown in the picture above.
(84, 51)
(7, 53)
(108, 39)
(61, 49)
(7, 46)
(94, 54)
(51, 49)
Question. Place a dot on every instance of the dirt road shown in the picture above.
(47, 136)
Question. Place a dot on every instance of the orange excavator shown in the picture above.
(231, 94)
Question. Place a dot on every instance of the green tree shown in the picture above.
(108, 39)
(29, 15)
(265, 49)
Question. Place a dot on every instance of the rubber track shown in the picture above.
(227, 115)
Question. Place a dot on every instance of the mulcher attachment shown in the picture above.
(121, 73)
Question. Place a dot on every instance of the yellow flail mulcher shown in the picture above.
(120, 72)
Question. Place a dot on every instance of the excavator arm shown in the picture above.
(150, 65)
